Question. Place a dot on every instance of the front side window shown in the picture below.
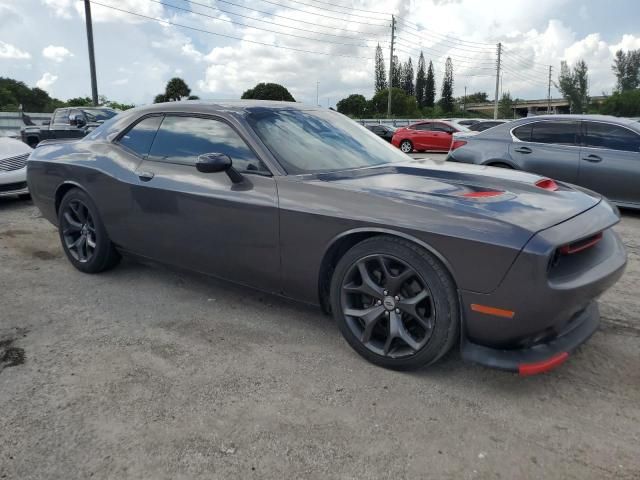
(557, 133)
(139, 138)
(182, 140)
(612, 137)
(312, 141)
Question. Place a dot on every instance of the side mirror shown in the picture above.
(218, 162)
(77, 120)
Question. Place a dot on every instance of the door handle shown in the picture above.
(593, 158)
(523, 150)
(145, 176)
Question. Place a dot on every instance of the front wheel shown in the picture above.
(395, 303)
(406, 146)
(83, 235)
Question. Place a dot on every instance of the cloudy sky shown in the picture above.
(43, 43)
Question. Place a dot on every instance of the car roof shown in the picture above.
(235, 106)
(600, 118)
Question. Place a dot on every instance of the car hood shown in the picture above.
(505, 195)
(10, 147)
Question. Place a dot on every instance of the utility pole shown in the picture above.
(317, 90)
(393, 38)
(495, 107)
(549, 92)
(92, 59)
(464, 101)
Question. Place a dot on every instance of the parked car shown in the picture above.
(598, 152)
(483, 125)
(465, 122)
(73, 122)
(429, 135)
(411, 257)
(383, 131)
(13, 171)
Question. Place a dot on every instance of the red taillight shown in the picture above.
(483, 194)
(526, 369)
(457, 144)
(547, 184)
(580, 245)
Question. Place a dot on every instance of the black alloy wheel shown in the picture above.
(78, 231)
(388, 306)
(83, 235)
(395, 303)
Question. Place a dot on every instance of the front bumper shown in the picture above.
(13, 183)
(542, 357)
(540, 312)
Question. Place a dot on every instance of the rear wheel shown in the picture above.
(395, 303)
(406, 146)
(82, 233)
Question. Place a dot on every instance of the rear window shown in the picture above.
(557, 133)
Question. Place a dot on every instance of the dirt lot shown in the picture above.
(149, 373)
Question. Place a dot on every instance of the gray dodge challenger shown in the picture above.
(410, 257)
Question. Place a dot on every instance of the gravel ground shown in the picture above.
(144, 372)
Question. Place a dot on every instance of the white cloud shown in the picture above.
(10, 51)
(61, 8)
(120, 81)
(46, 81)
(57, 54)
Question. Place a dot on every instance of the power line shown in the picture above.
(306, 30)
(257, 28)
(322, 15)
(352, 8)
(228, 2)
(167, 22)
(460, 58)
(469, 43)
(336, 11)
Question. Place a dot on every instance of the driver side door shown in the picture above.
(204, 221)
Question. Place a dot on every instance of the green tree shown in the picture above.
(268, 91)
(401, 105)
(160, 98)
(622, 104)
(430, 87)
(407, 78)
(505, 106)
(193, 97)
(421, 79)
(626, 67)
(80, 102)
(354, 105)
(396, 74)
(574, 85)
(478, 97)
(381, 73)
(176, 89)
(446, 98)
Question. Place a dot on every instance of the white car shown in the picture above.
(13, 167)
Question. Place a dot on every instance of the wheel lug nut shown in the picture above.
(397, 310)
(397, 298)
(379, 302)
(386, 292)
(386, 313)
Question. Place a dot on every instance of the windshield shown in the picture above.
(319, 140)
(99, 115)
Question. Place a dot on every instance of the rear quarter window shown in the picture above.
(139, 138)
(523, 132)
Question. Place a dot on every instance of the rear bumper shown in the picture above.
(542, 357)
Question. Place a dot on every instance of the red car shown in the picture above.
(428, 135)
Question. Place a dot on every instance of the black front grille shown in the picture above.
(11, 187)
(13, 163)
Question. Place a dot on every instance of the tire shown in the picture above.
(422, 312)
(79, 226)
(406, 146)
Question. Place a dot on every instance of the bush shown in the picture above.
(622, 104)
